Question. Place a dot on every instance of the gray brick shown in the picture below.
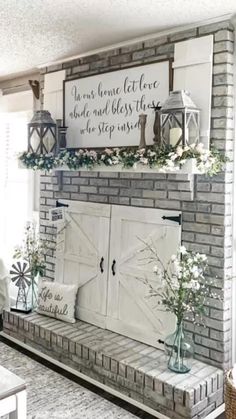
(139, 55)
(120, 200)
(80, 68)
(131, 48)
(88, 189)
(121, 59)
(79, 196)
(214, 27)
(98, 198)
(223, 101)
(223, 68)
(190, 33)
(223, 79)
(108, 191)
(224, 90)
(154, 194)
(155, 42)
(165, 49)
(142, 202)
(96, 65)
(224, 45)
(224, 35)
(81, 181)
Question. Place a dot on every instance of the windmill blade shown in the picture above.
(27, 282)
(15, 266)
(28, 272)
(27, 276)
(15, 269)
(20, 283)
(19, 266)
(15, 277)
(24, 266)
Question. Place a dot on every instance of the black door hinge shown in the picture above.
(176, 219)
(59, 204)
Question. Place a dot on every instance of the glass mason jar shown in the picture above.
(179, 351)
(34, 292)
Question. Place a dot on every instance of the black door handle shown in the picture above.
(101, 264)
(113, 267)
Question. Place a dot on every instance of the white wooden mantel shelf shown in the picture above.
(188, 168)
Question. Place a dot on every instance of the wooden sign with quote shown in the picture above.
(103, 110)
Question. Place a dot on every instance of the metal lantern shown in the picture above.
(42, 133)
(180, 120)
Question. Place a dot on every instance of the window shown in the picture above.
(17, 189)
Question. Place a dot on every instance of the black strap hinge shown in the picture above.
(176, 219)
(59, 204)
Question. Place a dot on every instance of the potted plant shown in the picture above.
(181, 289)
(33, 250)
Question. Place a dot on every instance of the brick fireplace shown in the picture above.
(205, 203)
(207, 227)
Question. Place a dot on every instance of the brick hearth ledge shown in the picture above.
(130, 367)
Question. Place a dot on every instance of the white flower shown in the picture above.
(173, 258)
(200, 148)
(141, 151)
(175, 283)
(179, 151)
(108, 151)
(187, 285)
(170, 163)
(183, 250)
(115, 160)
(144, 160)
(195, 271)
(194, 285)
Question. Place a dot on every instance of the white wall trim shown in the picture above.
(140, 39)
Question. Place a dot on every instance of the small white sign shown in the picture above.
(57, 215)
(103, 110)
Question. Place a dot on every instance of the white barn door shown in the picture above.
(82, 257)
(130, 311)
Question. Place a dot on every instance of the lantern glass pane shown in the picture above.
(172, 128)
(35, 141)
(49, 141)
(192, 128)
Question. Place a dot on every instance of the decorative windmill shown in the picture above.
(21, 276)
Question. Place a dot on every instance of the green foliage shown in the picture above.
(164, 159)
(181, 287)
(33, 251)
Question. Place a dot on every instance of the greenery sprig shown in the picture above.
(164, 159)
(181, 287)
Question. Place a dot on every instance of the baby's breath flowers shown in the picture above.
(181, 286)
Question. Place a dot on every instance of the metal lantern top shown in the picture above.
(42, 133)
(42, 118)
(179, 100)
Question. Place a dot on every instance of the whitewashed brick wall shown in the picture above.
(206, 203)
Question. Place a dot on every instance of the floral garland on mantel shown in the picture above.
(164, 159)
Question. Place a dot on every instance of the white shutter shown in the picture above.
(193, 72)
(53, 93)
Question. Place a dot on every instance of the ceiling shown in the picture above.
(35, 32)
